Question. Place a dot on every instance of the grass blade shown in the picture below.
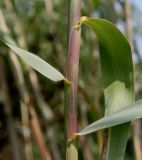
(130, 112)
(117, 72)
(36, 62)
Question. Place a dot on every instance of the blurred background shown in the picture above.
(31, 106)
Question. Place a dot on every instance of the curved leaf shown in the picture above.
(117, 73)
(36, 62)
(130, 112)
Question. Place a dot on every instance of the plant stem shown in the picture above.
(24, 95)
(128, 23)
(136, 124)
(74, 13)
(72, 75)
(7, 109)
(104, 155)
(20, 82)
(37, 133)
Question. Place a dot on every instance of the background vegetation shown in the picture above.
(32, 107)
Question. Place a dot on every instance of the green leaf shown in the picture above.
(36, 62)
(117, 73)
(130, 112)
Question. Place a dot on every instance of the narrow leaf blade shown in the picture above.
(36, 62)
(129, 113)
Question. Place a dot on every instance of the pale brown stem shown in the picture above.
(45, 109)
(104, 155)
(126, 5)
(19, 79)
(128, 23)
(136, 124)
(37, 133)
(136, 132)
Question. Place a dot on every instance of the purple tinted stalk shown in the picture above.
(72, 68)
(72, 75)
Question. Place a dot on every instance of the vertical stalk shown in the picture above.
(20, 82)
(136, 125)
(7, 109)
(104, 155)
(74, 7)
(23, 92)
(128, 23)
(37, 133)
(72, 75)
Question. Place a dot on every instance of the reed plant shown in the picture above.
(118, 82)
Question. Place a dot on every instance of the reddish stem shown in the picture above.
(72, 71)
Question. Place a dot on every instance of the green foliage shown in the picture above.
(37, 63)
(117, 74)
